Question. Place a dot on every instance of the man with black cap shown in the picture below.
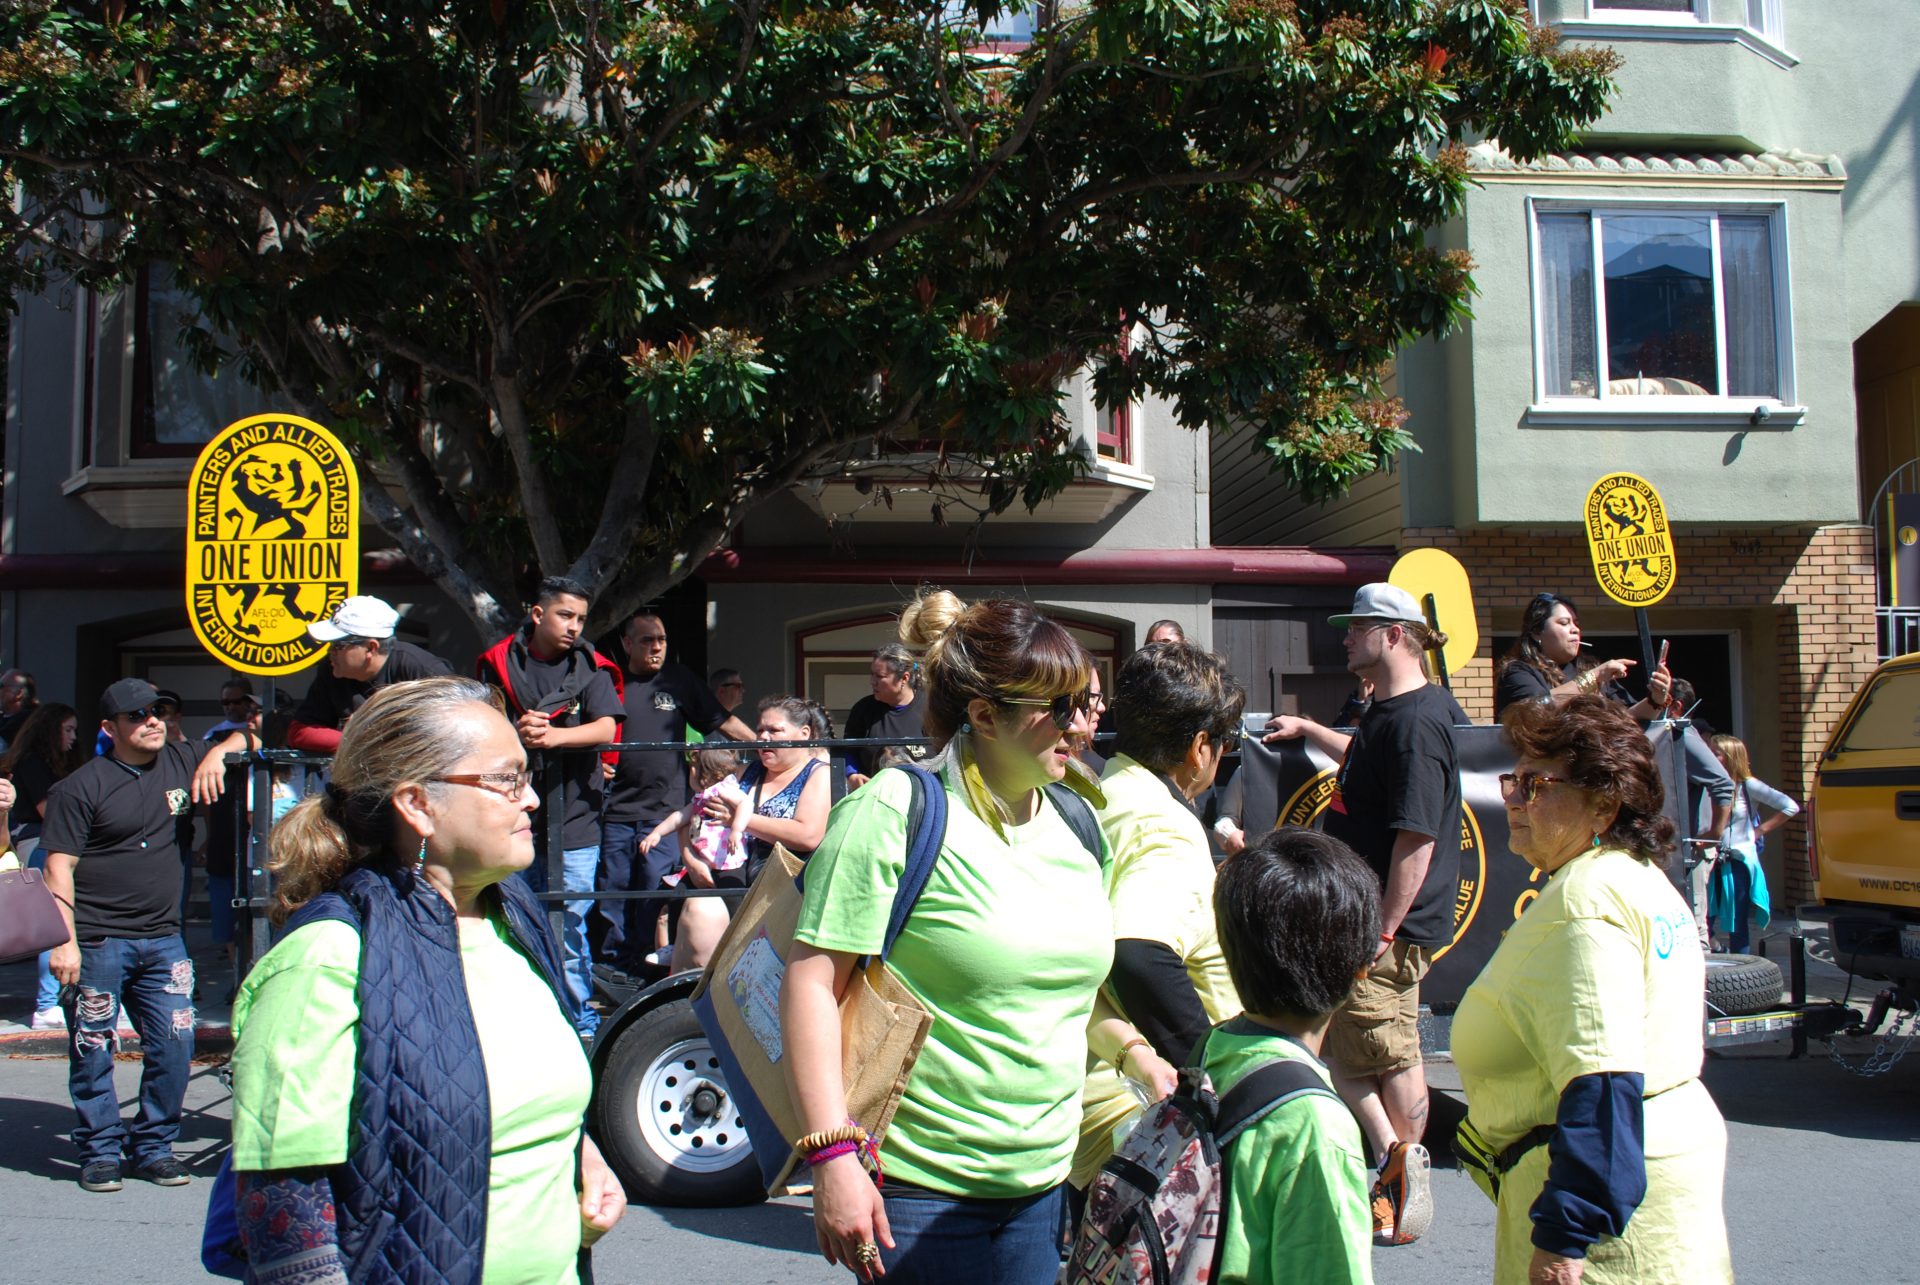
(1396, 802)
(113, 863)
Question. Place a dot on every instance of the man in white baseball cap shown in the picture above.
(362, 657)
(1396, 802)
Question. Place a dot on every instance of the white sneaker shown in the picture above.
(48, 1019)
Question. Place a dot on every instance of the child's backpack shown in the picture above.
(1153, 1214)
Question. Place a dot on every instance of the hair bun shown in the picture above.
(929, 617)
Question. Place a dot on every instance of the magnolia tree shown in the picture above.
(594, 279)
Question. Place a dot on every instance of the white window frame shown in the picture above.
(1761, 31)
(1781, 411)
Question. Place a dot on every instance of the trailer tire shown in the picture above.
(1738, 984)
(665, 1119)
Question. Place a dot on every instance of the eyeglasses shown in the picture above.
(345, 643)
(508, 785)
(1526, 786)
(1060, 709)
(142, 714)
(1229, 740)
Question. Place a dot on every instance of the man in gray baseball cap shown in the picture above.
(1396, 802)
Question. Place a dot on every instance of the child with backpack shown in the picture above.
(1253, 1171)
(1298, 916)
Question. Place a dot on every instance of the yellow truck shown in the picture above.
(1864, 835)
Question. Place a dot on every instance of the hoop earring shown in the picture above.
(420, 857)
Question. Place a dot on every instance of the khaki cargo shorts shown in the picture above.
(1378, 1029)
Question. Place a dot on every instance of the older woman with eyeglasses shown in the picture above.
(408, 1088)
(1579, 1045)
(1006, 947)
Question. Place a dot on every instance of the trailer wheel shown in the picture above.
(1739, 984)
(666, 1120)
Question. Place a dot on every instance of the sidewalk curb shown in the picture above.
(208, 1038)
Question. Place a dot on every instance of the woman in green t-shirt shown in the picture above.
(427, 814)
(1006, 948)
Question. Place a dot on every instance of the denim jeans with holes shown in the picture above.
(154, 976)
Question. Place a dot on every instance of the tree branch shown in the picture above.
(624, 508)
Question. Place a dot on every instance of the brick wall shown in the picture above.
(1819, 586)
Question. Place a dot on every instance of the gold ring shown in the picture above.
(866, 1253)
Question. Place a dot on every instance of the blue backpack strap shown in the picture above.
(926, 831)
(1078, 814)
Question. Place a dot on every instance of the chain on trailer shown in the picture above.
(1885, 1055)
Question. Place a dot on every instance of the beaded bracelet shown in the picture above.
(863, 1146)
(848, 1132)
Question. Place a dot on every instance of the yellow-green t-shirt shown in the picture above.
(1603, 972)
(295, 1022)
(1298, 1207)
(1006, 948)
(1161, 889)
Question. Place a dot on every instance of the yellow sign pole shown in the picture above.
(1631, 546)
(273, 541)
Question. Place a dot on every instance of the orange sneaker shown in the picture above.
(1403, 1197)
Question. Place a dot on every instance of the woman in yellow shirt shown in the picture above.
(1580, 1044)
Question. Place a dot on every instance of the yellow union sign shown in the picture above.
(273, 541)
(1629, 540)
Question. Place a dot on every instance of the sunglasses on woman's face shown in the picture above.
(1060, 709)
(1526, 786)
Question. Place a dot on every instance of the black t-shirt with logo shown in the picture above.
(122, 823)
(331, 699)
(870, 717)
(33, 780)
(1401, 773)
(648, 784)
(584, 792)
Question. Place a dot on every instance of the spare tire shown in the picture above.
(1739, 984)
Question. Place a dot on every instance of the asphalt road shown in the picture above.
(1820, 1187)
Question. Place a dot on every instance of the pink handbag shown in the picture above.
(30, 919)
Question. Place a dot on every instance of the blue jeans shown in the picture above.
(46, 991)
(578, 867)
(950, 1240)
(626, 927)
(155, 978)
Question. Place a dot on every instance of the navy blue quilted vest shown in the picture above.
(411, 1199)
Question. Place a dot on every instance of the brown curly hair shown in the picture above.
(1607, 753)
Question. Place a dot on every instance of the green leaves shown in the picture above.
(773, 239)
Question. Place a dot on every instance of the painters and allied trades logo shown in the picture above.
(273, 541)
(1628, 537)
(1311, 799)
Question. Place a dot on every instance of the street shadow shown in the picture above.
(778, 1225)
(1761, 1086)
(40, 1136)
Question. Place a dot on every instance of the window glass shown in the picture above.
(177, 407)
(1889, 717)
(1566, 305)
(1659, 293)
(1746, 284)
(1644, 6)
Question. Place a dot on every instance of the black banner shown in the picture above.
(1288, 783)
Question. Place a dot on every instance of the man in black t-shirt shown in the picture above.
(113, 861)
(1396, 802)
(663, 699)
(563, 698)
(362, 657)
